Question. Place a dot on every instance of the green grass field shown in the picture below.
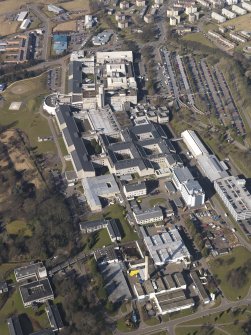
(230, 321)
(236, 259)
(121, 326)
(62, 146)
(18, 227)
(157, 201)
(117, 212)
(199, 38)
(6, 268)
(197, 330)
(101, 239)
(31, 93)
(14, 305)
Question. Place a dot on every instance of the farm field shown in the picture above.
(9, 6)
(66, 26)
(240, 23)
(76, 5)
(7, 27)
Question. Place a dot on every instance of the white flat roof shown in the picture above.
(236, 192)
(212, 167)
(167, 247)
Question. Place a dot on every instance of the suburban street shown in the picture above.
(47, 30)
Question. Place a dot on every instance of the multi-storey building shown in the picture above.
(236, 197)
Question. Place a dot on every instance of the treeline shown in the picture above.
(16, 76)
(237, 277)
(82, 314)
(52, 229)
(196, 232)
(11, 73)
(44, 210)
(148, 55)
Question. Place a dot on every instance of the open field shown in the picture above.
(31, 93)
(227, 322)
(235, 261)
(76, 5)
(199, 330)
(199, 38)
(9, 6)
(7, 27)
(240, 23)
(66, 26)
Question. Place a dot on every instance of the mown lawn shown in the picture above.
(121, 326)
(199, 38)
(101, 239)
(222, 265)
(157, 201)
(197, 330)
(62, 146)
(31, 93)
(14, 305)
(117, 212)
(230, 321)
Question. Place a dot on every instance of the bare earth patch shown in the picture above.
(66, 26)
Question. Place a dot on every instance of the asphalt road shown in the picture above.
(172, 324)
(47, 30)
